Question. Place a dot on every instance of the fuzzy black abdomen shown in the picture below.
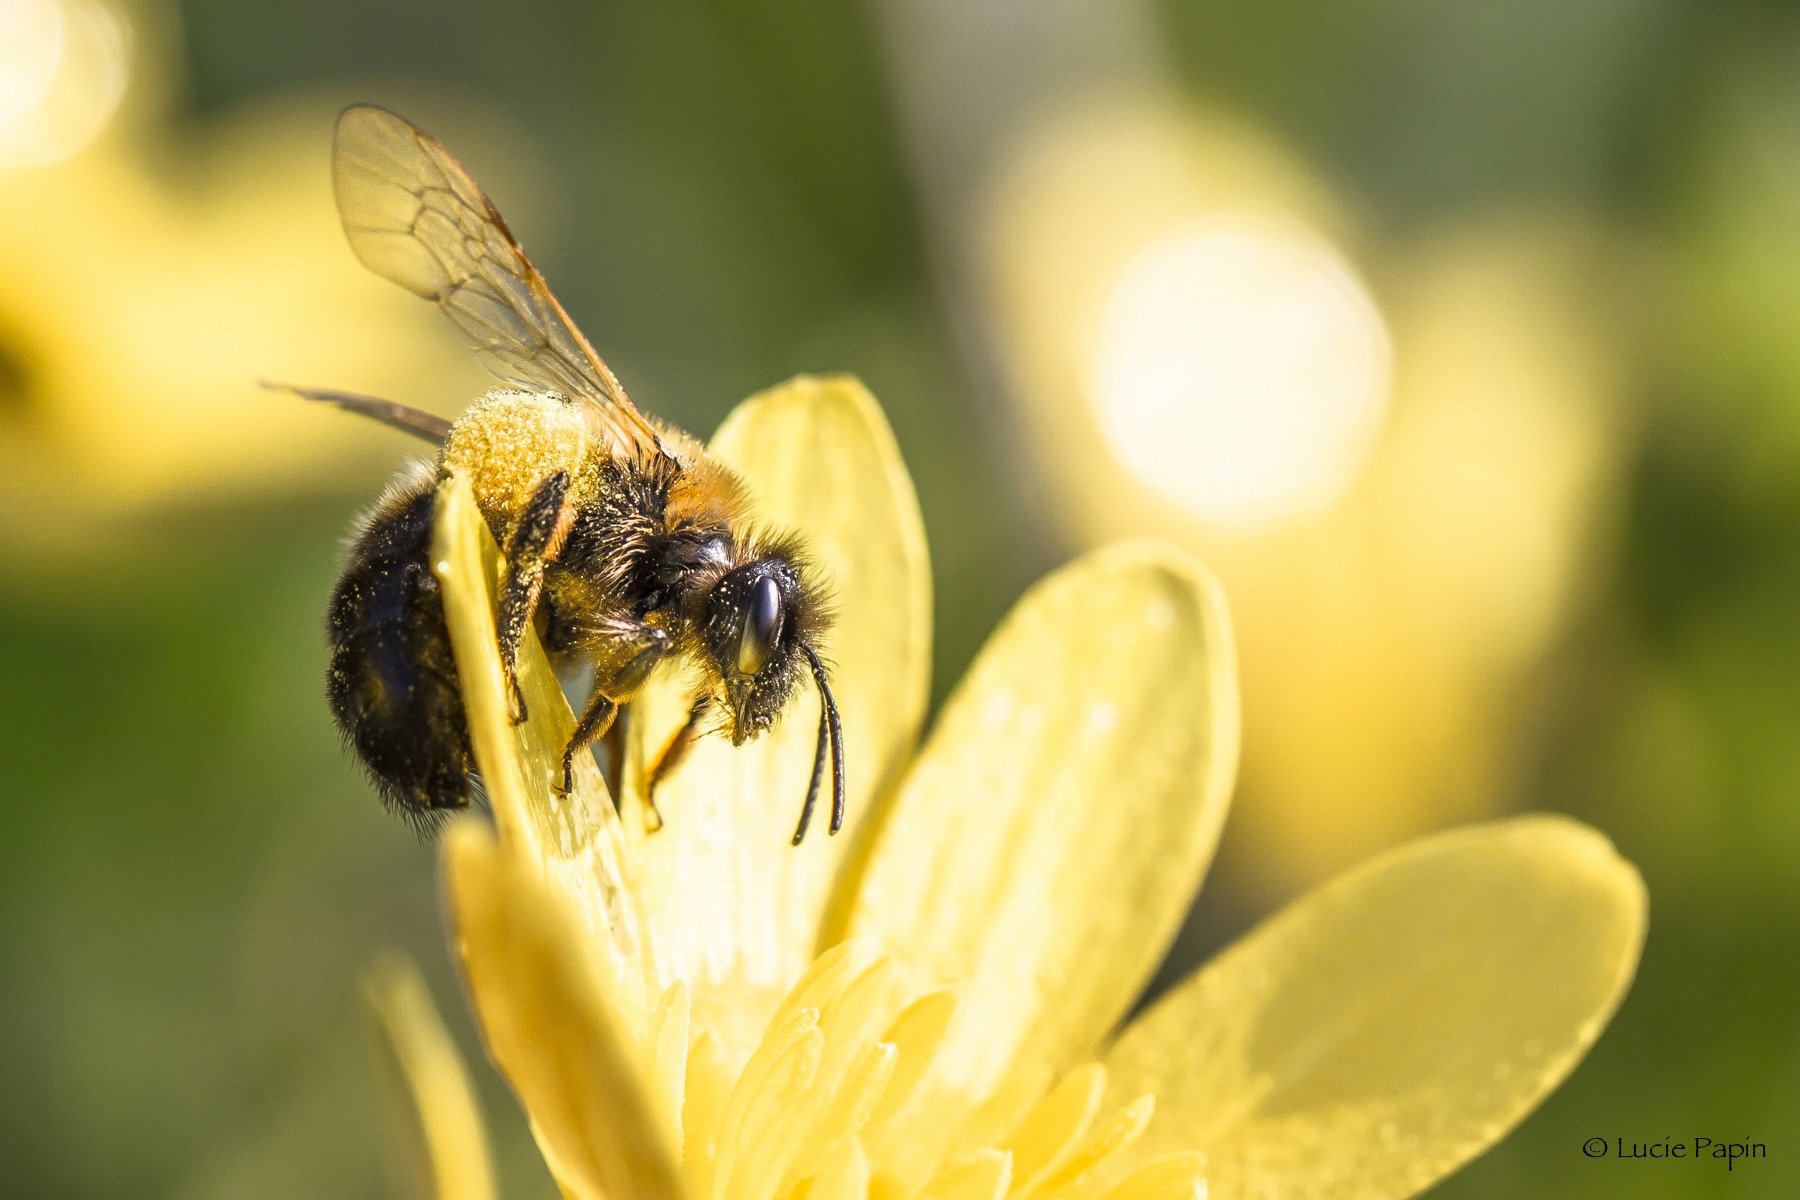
(392, 681)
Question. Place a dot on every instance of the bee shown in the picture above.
(624, 543)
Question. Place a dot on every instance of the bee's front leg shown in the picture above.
(672, 754)
(616, 737)
(534, 545)
(596, 718)
(640, 652)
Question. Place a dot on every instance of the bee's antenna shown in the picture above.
(417, 422)
(831, 735)
(818, 776)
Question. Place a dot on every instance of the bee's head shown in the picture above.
(763, 620)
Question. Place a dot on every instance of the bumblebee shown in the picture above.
(626, 546)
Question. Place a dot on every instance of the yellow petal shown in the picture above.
(1044, 848)
(993, 1119)
(1095, 1156)
(853, 1070)
(845, 1175)
(707, 1090)
(764, 1123)
(916, 1033)
(576, 838)
(668, 1054)
(1176, 1177)
(466, 564)
(1383, 1030)
(734, 906)
(984, 1175)
(846, 1115)
(444, 1103)
(1058, 1122)
(551, 1028)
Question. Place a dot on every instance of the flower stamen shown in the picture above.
(830, 1104)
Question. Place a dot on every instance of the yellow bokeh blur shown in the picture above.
(1401, 564)
(63, 70)
(1242, 369)
(145, 289)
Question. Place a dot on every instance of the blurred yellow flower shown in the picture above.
(449, 1128)
(928, 1007)
(138, 309)
(1402, 499)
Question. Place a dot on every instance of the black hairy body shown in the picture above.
(392, 682)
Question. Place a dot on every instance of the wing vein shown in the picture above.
(415, 217)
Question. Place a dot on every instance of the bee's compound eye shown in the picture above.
(762, 625)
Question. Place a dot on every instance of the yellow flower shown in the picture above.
(137, 315)
(930, 1005)
(1175, 300)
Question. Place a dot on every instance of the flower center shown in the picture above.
(839, 1100)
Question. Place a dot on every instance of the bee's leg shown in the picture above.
(596, 719)
(642, 651)
(535, 544)
(615, 755)
(672, 754)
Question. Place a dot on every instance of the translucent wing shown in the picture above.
(414, 216)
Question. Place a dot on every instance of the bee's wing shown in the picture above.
(414, 216)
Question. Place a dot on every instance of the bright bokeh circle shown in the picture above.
(1242, 370)
(63, 69)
